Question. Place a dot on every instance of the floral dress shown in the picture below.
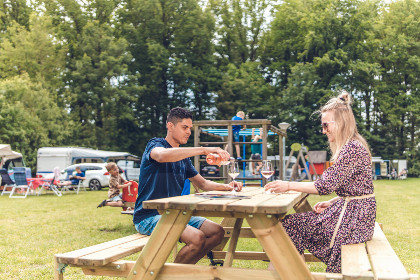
(350, 175)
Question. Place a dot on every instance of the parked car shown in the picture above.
(96, 174)
(210, 170)
(131, 169)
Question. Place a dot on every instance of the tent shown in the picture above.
(6, 152)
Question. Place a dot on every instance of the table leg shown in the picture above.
(226, 222)
(233, 242)
(278, 246)
(160, 244)
(303, 205)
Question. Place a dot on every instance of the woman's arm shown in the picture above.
(284, 186)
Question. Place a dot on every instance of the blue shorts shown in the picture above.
(116, 198)
(236, 136)
(146, 226)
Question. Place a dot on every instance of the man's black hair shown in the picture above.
(177, 114)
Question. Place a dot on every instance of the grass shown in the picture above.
(32, 230)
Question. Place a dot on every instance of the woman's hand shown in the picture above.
(277, 186)
(321, 206)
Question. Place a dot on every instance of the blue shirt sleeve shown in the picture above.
(190, 169)
(150, 146)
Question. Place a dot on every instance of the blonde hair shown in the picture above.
(345, 123)
(110, 165)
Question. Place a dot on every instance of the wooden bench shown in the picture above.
(104, 255)
(374, 259)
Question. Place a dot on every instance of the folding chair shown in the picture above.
(54, 185)
(6, 182)
(20, 182)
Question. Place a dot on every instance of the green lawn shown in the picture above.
(32, 230)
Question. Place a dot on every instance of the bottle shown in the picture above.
(216, 159)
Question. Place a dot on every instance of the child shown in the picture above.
(116, 182)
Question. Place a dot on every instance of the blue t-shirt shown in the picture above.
(160, 180)
(76, 181)
(236, 128)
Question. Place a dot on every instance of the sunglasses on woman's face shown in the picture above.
(324, 125)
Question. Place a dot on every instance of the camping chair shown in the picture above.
(77, 187)
(54, 185)
(20, 182)
(6, 182)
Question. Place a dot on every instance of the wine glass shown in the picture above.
(267, 169)
(233, 171)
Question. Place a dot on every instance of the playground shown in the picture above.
(48, 225)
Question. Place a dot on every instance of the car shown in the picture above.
(210, 170)
(96, 174)
(131, 169)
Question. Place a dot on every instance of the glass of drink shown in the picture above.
(267, 169)
(233, 171)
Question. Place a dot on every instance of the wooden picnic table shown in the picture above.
(262, 212)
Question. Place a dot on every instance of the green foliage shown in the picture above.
(73, 222)
(116, 67)
(30, 117)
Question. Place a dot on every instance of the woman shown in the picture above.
(348, 218)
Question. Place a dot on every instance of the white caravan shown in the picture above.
(50, 157)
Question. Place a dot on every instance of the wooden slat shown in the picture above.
(385, 263)
(246, 232)
(162, 240)
(222, 204)
(114, 253)
(73, 256)
(242, 255)
(355, 262)
(266, 203)
(261, 256)
(233, 242)
(279, 248)
(187, 271)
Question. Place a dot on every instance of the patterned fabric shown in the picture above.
(350, 175)
(114, 182)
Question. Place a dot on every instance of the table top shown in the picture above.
(258, 202)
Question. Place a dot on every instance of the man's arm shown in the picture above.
(207, 185)
(161, 154)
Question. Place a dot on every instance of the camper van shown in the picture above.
(62, 157)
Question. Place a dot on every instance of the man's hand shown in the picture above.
(234, 185)
(222, 153)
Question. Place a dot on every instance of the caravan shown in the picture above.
(62, 157)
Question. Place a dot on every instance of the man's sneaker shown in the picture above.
(102, 204)
(238, 158)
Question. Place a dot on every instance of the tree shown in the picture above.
(34, 51)
(30, 117)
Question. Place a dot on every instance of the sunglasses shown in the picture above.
(324, 125)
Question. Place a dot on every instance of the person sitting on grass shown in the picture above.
(116, 182)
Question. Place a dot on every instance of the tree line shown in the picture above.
(104, 73)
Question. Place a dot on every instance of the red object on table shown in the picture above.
(36, 182)
(130, 193)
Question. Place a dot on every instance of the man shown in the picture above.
(235, 129)
(163, 170)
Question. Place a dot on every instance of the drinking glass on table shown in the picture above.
(233, 171)
(267, 169)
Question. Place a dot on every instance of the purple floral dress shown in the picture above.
(350, 175)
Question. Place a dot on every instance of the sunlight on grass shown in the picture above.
(36, 228)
